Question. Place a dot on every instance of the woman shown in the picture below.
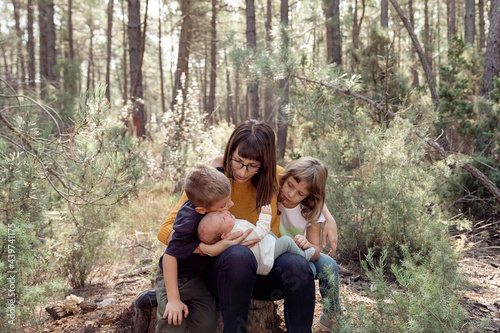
(250, 163)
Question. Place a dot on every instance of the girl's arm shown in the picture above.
(313, 239)
(329, 231)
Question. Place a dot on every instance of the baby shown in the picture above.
(215, 226)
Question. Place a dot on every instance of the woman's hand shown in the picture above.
(232, 239)
(302, 242)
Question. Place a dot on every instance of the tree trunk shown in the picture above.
(213, 63)
(47, 42)
(31, 47)
(236, 114)
(269, 116)
(125, 49)
(229, 100)
(428, 73)
(20, 73)
(414, 71)
(283, 116)
(108, 51)
(492, 54)
(160, 60)
(451, 19)
(183, 53)
(333, 40)
(71, 47)
(253, 85)
(135, 44)
(482, 34)
(90, 80)
(384, 13)
(470, 21)
(427, 34)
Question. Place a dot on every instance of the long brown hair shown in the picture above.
(255, 141)
(315, 173)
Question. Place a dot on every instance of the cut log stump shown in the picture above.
(262, 318)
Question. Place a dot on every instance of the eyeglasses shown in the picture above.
(250, 168)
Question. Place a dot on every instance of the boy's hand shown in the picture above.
(266, 209)
(302, 242)
(173, 312)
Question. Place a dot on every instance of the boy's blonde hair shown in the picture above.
(205, 185)
(315, 173)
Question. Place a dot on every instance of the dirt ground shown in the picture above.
(115, 291)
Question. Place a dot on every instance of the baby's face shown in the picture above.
(225, 220)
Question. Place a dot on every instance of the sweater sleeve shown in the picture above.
(168, 225)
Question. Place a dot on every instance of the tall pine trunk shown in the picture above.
(183, 53)
(20, 72)
(253, 85)
(125, 50)
(333, 40)
(482, 34)
(108, 50)
(31, 47)
(470, 21)
(269, 116)
(451, 19)
(135, 44)
(213, 63)
(283, 116)
(160, 61)
(492, 54)
(47, 43)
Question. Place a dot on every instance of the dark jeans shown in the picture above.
(233, 281)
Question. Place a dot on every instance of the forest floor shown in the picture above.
(480, 262)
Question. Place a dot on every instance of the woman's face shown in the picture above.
(243, 169)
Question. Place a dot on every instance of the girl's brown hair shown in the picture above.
(315, 173)
(255, 141)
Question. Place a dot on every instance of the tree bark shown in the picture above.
(470, 21)
(482, 34)
(31, 47)
(283, 116)
(269, 116)
(333, 40)
(135, 43)
(108, 50)
(451, 19)
(384, 13)
(160, 60)
(213, 63)
(492, 54)
(47, 42)
(253, 85)
(20, 72)
(183, 53)
(90, 77)
(229, 99)
(427, 34)
(125, 50)
(414, 71)
(428, 73)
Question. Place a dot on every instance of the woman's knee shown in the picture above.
(237, 259)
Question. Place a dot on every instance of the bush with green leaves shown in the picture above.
(58, 185)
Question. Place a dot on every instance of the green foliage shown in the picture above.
(426, 297)
(455, 89)
(58, 188)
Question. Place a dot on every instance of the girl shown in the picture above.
(301, 201)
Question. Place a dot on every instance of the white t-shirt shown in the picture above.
(292, 223)
(264, 250)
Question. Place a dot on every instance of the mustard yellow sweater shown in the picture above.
(243, 196)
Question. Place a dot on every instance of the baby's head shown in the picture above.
(208, 189)
(215, 226)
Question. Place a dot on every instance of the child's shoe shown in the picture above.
(325, 322)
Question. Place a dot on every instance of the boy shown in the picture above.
(179, 286)
(219, 225)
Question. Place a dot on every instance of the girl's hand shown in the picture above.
(302, 242)
(266, 209)
(330, 233)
